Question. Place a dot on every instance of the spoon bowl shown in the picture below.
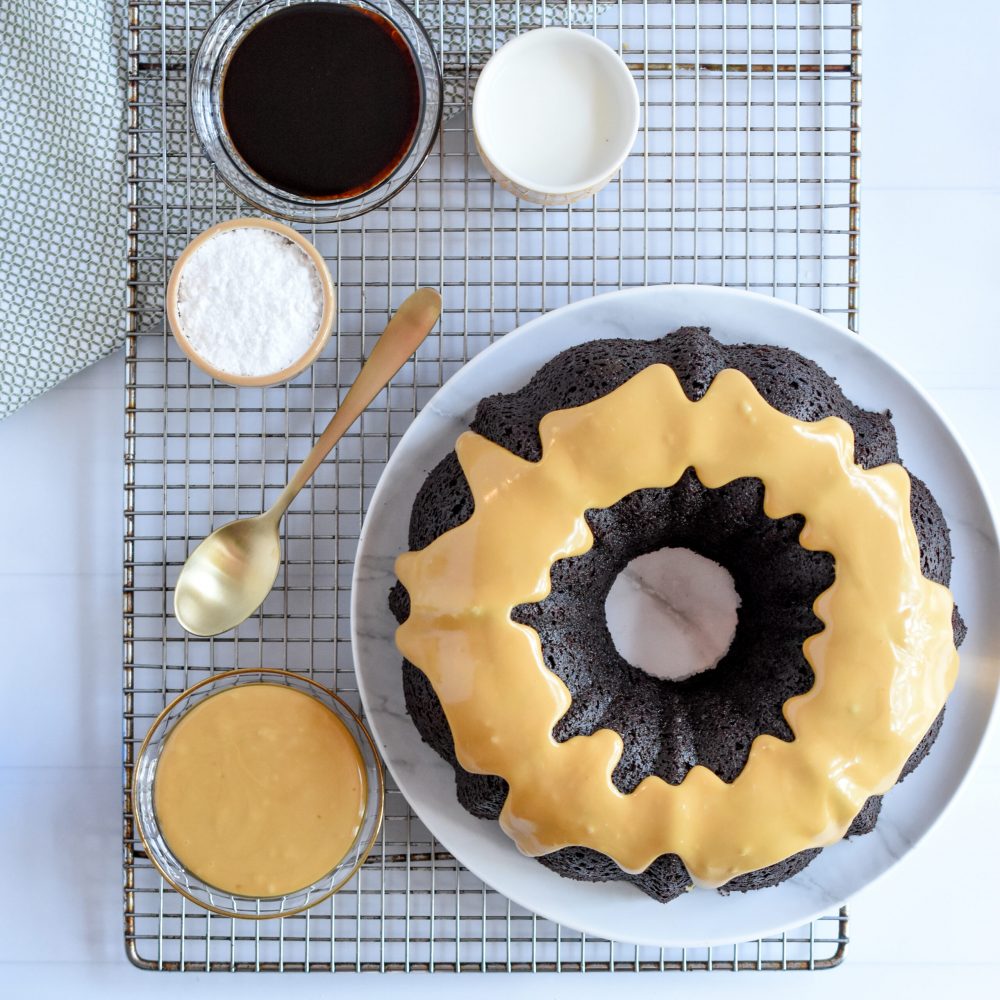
(228, 575)
(226, 578)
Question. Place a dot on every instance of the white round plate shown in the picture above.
(702, 917)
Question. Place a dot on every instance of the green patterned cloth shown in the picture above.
(62, 194)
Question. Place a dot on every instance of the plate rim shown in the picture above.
(711, 291)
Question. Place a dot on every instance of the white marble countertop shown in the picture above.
(931, 214)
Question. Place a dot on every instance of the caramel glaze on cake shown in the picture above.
(711, 719)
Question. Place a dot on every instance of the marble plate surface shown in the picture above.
(702, 917)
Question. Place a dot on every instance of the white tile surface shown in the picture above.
(931, 215)
(928, 96)
(927, 258)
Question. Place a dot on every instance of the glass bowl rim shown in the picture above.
(266, 197)
(152, 854)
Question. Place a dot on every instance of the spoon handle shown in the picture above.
(404, 334)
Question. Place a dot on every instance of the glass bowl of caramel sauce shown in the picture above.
(316, 110)
(257, 793)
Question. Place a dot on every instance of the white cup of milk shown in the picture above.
(555, 114)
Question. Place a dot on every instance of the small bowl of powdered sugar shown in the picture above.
(250, 302)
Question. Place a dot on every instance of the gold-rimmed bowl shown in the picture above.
(196, 889)
(323, 331)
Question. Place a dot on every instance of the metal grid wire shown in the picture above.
(745, 173)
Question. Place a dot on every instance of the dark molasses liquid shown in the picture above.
(322, 99)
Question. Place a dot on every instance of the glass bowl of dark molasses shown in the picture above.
(316, 110)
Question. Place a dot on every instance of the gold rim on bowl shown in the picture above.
(152, 853)
(323, 331)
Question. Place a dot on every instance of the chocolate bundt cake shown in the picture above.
(710, 720)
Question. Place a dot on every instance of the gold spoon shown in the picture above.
(230, 573)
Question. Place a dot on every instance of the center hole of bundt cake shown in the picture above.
(672, 613)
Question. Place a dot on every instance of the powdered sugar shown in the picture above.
(249, 302)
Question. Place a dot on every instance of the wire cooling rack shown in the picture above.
(745, 173)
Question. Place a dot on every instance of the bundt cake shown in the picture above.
(744, 771)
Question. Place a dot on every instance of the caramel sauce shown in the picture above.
(884, 662)
(260, 790)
